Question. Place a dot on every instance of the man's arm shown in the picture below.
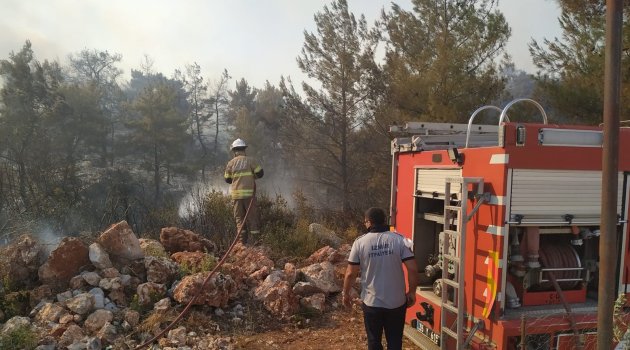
(227, 175)
(257, 169)
(352, 271)
(412, 280)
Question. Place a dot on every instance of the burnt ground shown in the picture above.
(338, 329)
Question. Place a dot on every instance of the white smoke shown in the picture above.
(48, 239)
(190, 203)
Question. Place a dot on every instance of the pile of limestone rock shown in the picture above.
(94, 296)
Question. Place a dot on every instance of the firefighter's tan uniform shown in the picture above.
(241, 172)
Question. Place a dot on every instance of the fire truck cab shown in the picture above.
(504, 221)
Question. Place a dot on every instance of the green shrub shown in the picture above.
(144, 308)
(214, 220)
(20, 338)
(207, 264)
(157, 252)
(136, 306)
(164, 214)
(290, 241)
(274, 213)
(15, 303)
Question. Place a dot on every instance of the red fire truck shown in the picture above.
(504, 221)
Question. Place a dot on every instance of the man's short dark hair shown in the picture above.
(376, 216)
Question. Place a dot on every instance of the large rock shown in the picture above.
(178, 336)
(160, 270)
(315, 301)
(118, 297)
(15, 323)
(237, 274)
(20, 260)
(258, 276)
(99, 297)
(178, 240)
(250, 259)
(248, 266)
(162, 305)
(110, 284)
(64, 262)
(40, 293)
(97, 320)
(99, 257)
(72, 335)
(329, 254)
(132, 317)
(56, 330)
(150, 292)
(217, 292)
(322, 275)
(324, 235)
(110, 273)
(151, 247)
(77, 282)
(50, 313)
(135, 268)
(107, 334)
(121, 243)
(91, 278)
(81, 304)
(277, 296)
(305, 289)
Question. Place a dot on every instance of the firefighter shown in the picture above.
(379, 255)
(241, 173)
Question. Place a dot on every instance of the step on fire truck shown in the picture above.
(504, 221)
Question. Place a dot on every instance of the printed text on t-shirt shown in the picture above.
(380, 250)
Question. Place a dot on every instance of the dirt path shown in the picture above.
(339, 329)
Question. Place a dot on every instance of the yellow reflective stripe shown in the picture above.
(258, 168)
(226, 175)
(242, 174)
(242, 195)
(242, 192)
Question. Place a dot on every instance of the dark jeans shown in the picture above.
(391, 320)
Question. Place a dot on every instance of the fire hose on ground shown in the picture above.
(215, 269)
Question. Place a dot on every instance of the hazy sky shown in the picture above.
(253, 39)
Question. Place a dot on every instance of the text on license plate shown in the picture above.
(429, 333)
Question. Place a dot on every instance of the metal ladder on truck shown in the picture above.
(456, 217)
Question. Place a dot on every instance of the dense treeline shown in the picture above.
(81, 148)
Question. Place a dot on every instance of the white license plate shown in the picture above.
(429, 333)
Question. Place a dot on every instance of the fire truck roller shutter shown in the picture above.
(430, 182)
(549, 195)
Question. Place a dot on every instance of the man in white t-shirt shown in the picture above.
(379, 256)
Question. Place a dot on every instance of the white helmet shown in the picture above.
(238, 143)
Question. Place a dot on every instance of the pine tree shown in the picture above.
(159, 131)
(320, 129)
(571, 69)
(441, 59)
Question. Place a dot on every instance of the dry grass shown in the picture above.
(200, 321)
(156, 320)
